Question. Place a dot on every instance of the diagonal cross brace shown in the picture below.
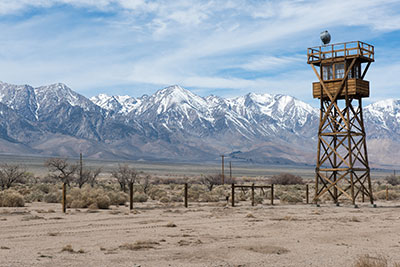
(333, 98)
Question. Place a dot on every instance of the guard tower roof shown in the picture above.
(340, 52)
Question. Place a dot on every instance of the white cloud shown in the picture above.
(188, 42)
(272, 62)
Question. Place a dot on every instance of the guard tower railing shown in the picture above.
(338, 51)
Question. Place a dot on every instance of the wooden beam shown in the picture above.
(365, 70)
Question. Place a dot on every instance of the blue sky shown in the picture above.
(226, 48)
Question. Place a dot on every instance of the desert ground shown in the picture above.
(203, 234)
(99, 229)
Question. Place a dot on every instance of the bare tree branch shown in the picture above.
(145, 183)
(211, 180)
(125, 176)
(10, 174)
(61, 169)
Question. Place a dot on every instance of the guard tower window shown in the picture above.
(355, 72)
(339, 71)
(327, 72)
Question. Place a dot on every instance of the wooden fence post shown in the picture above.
(131, 196)
(272, 194)
(307, 194)
(186, 195)
(233, 195)
(64, 197)
(387, 193)
(252, 194)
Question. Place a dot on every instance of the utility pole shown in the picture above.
(223, 171)
(230, 170)
(80, 166)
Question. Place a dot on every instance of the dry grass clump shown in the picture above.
(54, 197)
(11, 198)
(53, 234)
(291, 198)
(242, 196)
(177, 197)
(392, 195)
(156, 193)
(208, 197)
(139, 197)
(170, 224)
(258, 199)
(68, 248)
(88, 197)
(393, 180)
(195, 191)
(32, 217)
(165, 199)
(34, 196)
(267, 249)
(222, 191)
(117, 198)
(286, 179)
(49, 193)
(138, 245)
(369, 261)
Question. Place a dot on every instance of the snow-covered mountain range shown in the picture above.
(176, 124)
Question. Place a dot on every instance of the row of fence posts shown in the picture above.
(64, 195)
(252, 193)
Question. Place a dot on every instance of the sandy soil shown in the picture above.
(201, 235)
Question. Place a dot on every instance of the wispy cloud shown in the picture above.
(240, 45)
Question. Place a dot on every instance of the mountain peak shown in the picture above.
(177, 95)
(54, 87)
(174, 90)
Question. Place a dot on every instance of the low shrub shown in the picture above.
(102, 201)
(78, 203)
(392, 195)
(11, 198)
(177, 198)
(54, 197)
(369, 261)
(291, 198)
(156, 193)
(34, 196)
(286, 179)
(117, 198)
(45, 188)
(221, 191)
(243, 196)
(139, 197)
(393, 180)
(88, 197)
(165, 199)
(195, 191)
(207, 197)
(258, 199)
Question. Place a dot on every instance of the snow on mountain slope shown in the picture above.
(175, 121)
(118, 104)
(382, 110)
(383, 118)
(177, 108)
(20, 98)
(52, 95)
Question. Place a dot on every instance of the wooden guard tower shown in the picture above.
(342, 168)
